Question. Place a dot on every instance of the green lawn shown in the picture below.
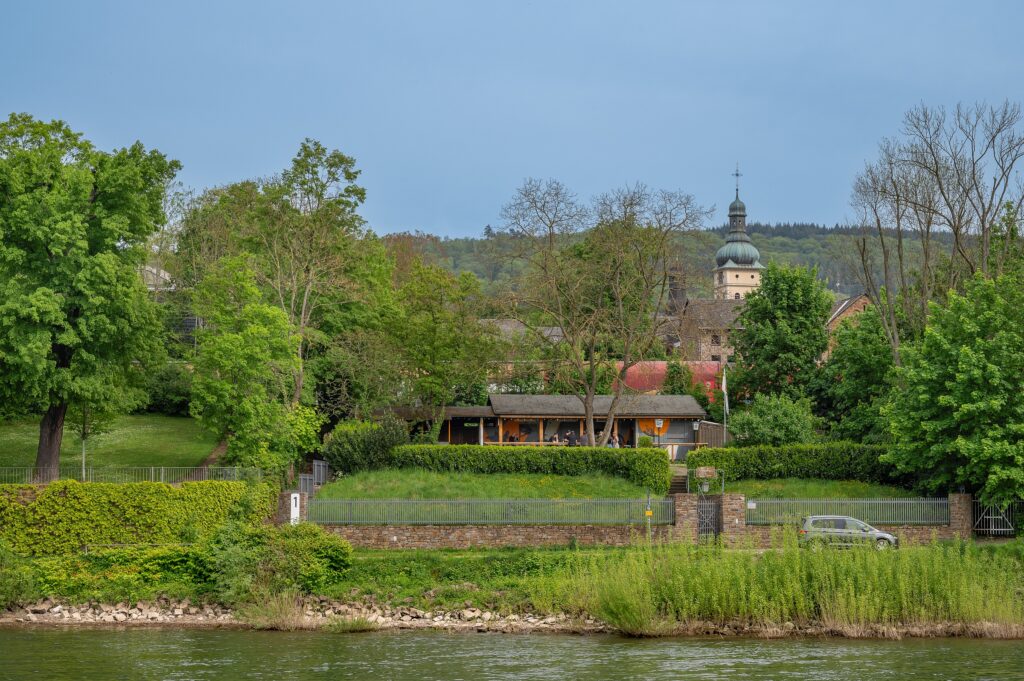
(419, 484)
(804, 488)
(143, 440)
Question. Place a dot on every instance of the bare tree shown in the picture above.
(600, 273)
(952, 174)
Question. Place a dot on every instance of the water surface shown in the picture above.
(103, 655)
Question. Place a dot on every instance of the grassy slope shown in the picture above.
(143, 440)
(417, 484)
(802, 488)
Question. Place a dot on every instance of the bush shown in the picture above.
(65, 516)
(307, 558)
(775, 420)
(363, 445)
(644, 442)
(826, 461)
(17, 584)
(251, 563)
(644, 467)
(170, 389)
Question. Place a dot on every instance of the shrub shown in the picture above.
(170, 389)
(307, 558)
(646, 467)
(250, 563)
(775, 420)
(363, 445)
(644, 442)
(826, 461)
(65, 516)
(17, 584)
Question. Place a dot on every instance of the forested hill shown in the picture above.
(830, 249)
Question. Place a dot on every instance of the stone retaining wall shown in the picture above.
(734, 530)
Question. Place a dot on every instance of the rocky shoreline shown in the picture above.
(320, 613)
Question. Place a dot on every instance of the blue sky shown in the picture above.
(447, 106)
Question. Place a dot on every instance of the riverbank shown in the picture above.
(323, 614)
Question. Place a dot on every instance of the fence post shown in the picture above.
(961, 517)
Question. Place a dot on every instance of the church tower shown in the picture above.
(739, 262)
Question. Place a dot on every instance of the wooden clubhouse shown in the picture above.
(671, 421)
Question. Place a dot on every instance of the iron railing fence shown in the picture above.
(899, 511)
(994, 521)
(490, 511)
(121, 474)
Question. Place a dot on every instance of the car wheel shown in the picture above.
(882, 545)
(817, 545)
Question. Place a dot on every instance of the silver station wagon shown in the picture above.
(842, 531)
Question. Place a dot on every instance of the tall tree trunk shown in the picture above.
(51, 431)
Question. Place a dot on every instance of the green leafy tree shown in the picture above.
(446, 349)
(855, 382)
(774, 420)
(782, 333)
(74, 222)
(101, 399)
(244, 368)
(957, 417)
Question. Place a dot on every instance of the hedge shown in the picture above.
(64, 516)
(644, 467)
(825, 461)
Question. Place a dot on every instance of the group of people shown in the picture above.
(572, 440)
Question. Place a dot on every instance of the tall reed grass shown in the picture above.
(654, 590)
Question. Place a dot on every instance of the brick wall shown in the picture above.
(735, 532)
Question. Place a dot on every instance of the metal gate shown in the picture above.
(992, 521)
(709, 516)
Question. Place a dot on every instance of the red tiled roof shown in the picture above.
(650, 376)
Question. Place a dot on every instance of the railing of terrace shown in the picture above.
(898, 511)
(121, 474)
(491, 511)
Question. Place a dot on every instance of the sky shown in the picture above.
(448, 106)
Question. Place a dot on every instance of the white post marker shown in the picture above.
(294, 519)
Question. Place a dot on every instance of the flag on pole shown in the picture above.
(725, 393)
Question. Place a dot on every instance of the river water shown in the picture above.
(104, 655)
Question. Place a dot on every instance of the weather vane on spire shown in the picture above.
(737, 174)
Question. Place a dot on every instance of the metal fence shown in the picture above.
(120, 474)
(905, 511)
(994, 521)
(490, 511)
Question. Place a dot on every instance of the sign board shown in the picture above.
(294, 515)
(751, 505)
(648, 513)
(659, 423)
(706, 472)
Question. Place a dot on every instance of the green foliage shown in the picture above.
(958, 417)
(306, 557)
(671, 588)
(774, 420)
(782, 333)
(241, 562)
(244, 368)
(74, 222)
(444, 344)
(644, 442)
(170, 389)
(827, 461)
(855, 382)
(363, 445)
(17, 581)
(64, 516)
(648, 468)
(420, 484)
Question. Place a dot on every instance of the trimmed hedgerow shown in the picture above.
(364, 445)
(645, 467)
(824, 461)
(64, 516)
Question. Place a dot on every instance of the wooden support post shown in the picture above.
(481, 436)
(501, 435)
(449, 431)
(540, 430)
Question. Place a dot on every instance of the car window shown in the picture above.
(839, 523)
(856, 525)
(822, 524)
